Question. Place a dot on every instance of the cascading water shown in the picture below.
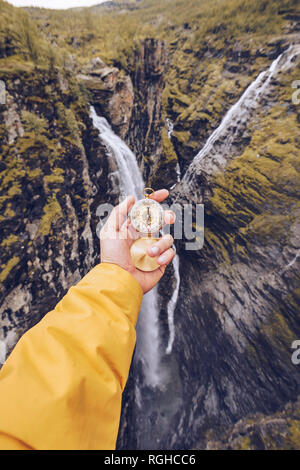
(173, 301)
(130, 179)
(172, 305)
(218, 148)
(170, 129)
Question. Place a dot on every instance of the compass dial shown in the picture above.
(147, 216)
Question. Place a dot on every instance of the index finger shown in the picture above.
(159, 195)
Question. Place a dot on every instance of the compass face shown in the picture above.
(147, 216)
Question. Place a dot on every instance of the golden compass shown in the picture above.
(147, 217)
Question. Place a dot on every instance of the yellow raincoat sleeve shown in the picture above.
(61, 386)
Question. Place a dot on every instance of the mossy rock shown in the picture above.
(52, 212)
(6, 269)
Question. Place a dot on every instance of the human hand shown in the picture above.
(118, 234)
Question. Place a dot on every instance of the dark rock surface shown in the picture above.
(279, 431)
(145, 138)
(111, 94)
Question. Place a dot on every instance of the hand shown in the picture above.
(117, 236)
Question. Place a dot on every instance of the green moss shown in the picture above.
(218, 245)
(259, 186)
(56, 176)
(7, 242)
(55, 179)
(294, 437)
(9, 266)
(10, 194)
(182, 136)
(13, 175)
(279, 331)
(181, 99)
(245, 444)
(9, 213)
(68, 124)
(268, 228)
(32, 145)
(52, 212)
(34, 174)
(34, 123)
(168, 149)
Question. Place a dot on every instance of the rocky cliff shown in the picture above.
(111, 93)
(132, 104)
(242, 288)
(52, 178)
(147, 134)
(278, 431)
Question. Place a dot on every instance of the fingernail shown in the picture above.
(154, 250)
(161, 259)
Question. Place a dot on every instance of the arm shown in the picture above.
(61, 387)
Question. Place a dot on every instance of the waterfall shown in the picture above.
(172, 305)
(217, 148)
(130, 179)
(131, 182)
(173, 301)
(170, 130)
(170, 127)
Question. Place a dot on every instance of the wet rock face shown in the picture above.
(148, 65)
(112, 94)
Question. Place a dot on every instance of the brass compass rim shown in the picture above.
(146, 193)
